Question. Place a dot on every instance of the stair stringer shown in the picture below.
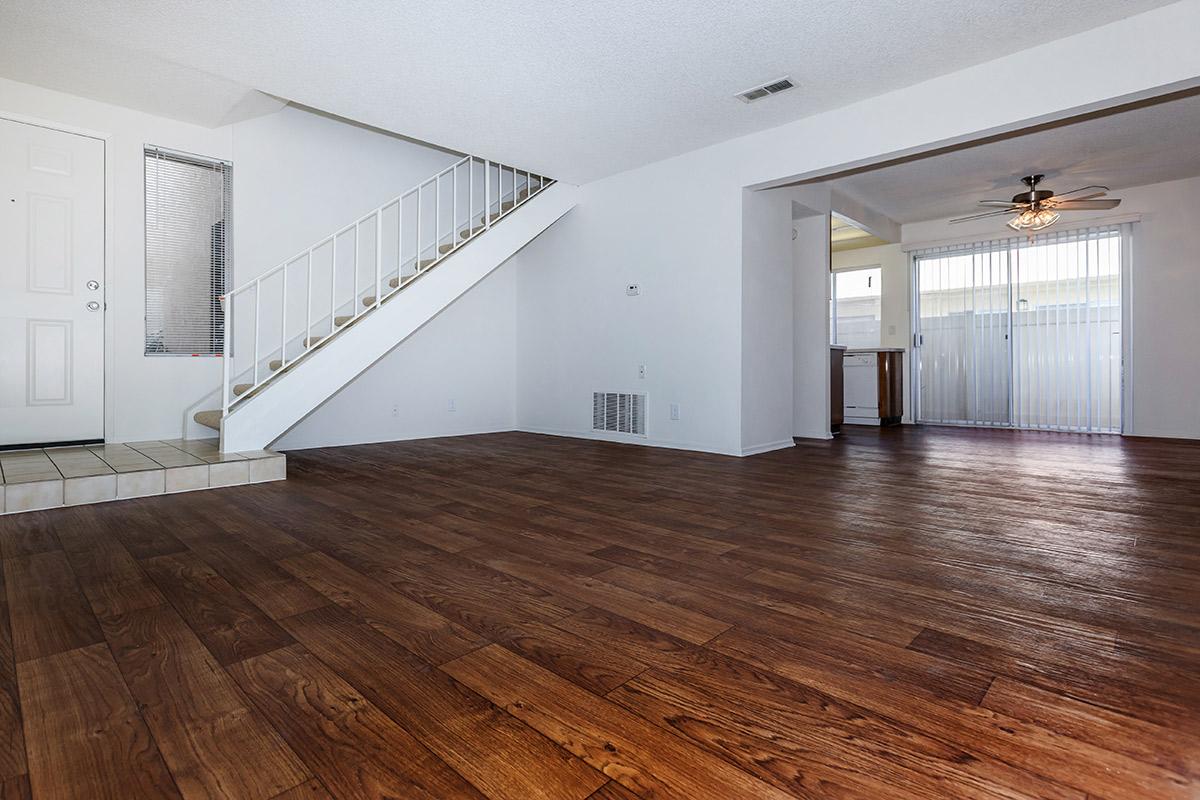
(256, 422)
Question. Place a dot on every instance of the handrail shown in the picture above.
(521, 186)
(345, 228)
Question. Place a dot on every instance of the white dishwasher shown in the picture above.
(860, 372)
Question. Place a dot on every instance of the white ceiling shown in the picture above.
(33, 49)
(1133, 148)
(576, 89)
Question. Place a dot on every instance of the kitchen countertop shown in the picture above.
(873, 349)
(837, 347)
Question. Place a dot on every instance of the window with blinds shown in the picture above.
(188, 223)
(1022, 332)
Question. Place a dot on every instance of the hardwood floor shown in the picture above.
(901, 613)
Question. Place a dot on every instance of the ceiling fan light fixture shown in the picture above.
(1032, 220)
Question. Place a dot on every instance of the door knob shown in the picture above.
(93, 285)
(93, 306)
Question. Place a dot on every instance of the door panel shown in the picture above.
(51, 285)
(963, 337)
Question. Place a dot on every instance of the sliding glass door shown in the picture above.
(1021, 332)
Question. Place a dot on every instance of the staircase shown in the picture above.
(301, 331)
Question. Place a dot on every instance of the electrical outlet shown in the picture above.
(642, 371)
(675, 411)
(450, 405)
(396, 410)
(633, 290)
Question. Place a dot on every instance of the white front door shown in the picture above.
(51, 285)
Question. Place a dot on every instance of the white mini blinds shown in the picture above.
(188, 232)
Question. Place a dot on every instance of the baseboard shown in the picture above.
(600, 436)
(768, 447)
(812, 435)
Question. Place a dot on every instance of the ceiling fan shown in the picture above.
(1037, 209)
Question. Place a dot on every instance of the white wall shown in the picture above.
(145, 398)
(300, 175)
(670, 228)
(1166, 296)
(466, 354)
(768, 362)
(810, 302)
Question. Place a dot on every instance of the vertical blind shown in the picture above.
(188, 220)
(1021, 332)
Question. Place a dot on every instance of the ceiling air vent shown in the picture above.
(617, 412)
(758, 92)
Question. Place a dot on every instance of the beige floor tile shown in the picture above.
(78, 462)
(91, 489)
(140, 484)
(33, 495)
(186, 479)
(271, 468)
(230, 473)
(123, 458)
(166, 455)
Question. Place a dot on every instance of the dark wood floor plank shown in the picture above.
(46, 609)
(744, 601)
(612, 791)
(351, 745)
(83, 732)
(589, 663)
(636, 754)
(689, 625)
(1173, 750)
(498, 755)
(783, 733)
(111, 579)
(275, 591)
(423, 632)
(15, 788)
(12, 742)
(27, 534)
(147, 537)
(213, 743)
(230, 626)
(903, 612)
(309, 790)
(933, 711)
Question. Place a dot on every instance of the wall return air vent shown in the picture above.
(617, 412)
(771, 87)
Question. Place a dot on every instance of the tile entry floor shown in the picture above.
(67, 476)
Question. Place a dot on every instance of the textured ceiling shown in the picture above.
(572, 88)
(1147, 145)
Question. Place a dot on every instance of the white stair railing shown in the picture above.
(404, 238)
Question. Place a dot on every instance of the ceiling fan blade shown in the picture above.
(984, 214)
(1096, 191)
(1005, 203)
(1085, 205)
(1058, 198)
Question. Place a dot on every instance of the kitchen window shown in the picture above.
(855, 307)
